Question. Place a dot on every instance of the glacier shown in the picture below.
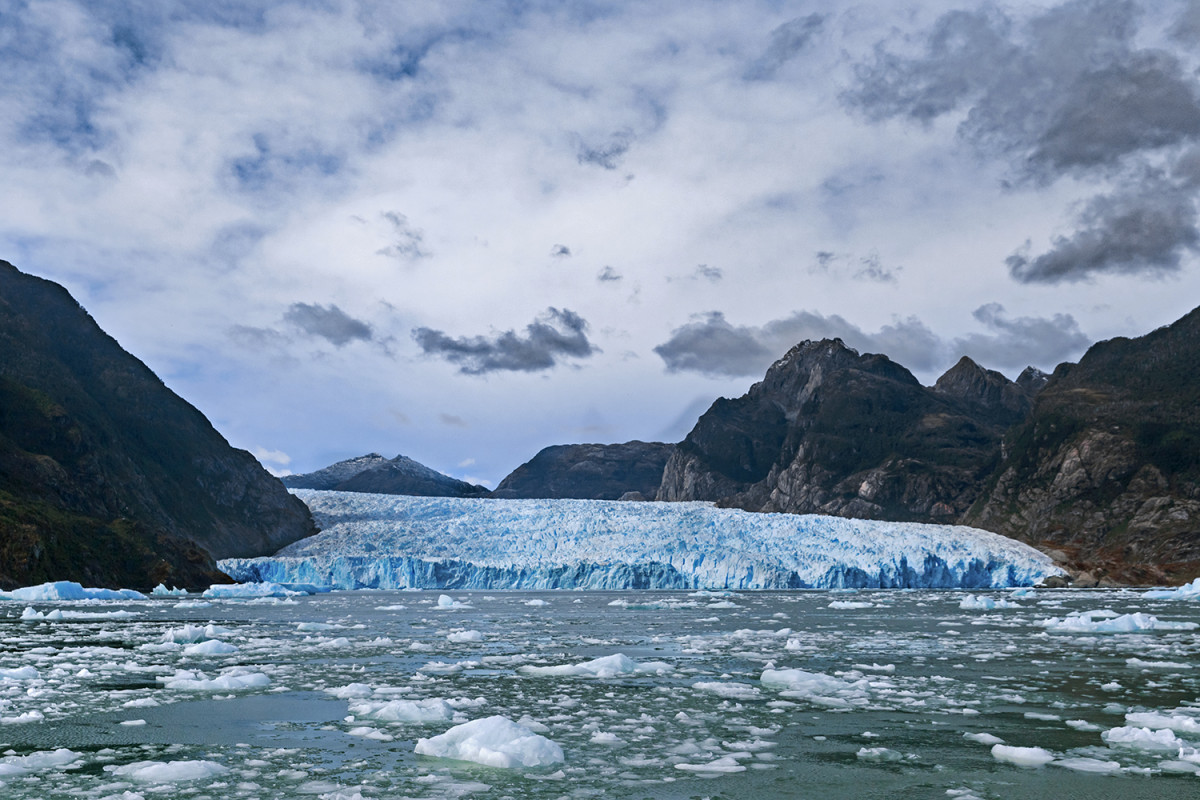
(372, 541)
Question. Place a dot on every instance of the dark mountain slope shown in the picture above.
(589, 472)
(1107, 466)
(106, 476)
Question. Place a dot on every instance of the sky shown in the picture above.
(464, 231)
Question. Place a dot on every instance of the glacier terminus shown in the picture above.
(374, 541)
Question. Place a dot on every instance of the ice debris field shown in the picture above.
(266, 691)
(395, 542)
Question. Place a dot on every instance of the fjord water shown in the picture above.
(898, 695)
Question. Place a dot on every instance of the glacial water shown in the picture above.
(915, 694)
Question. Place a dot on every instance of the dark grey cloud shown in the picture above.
(275, 165)
(553, 336)
(327, 322)
(608, 275)
(408, 242)
(608, 153)
(710, 345)
(1187, 27)
(1141, 230)
(1012, 344)
(1070, 91)
(710, 274)
(560, 251)
(786, 43)
(453, 420)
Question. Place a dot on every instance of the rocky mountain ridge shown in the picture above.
(631, 470)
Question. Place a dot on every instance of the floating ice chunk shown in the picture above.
(162, 591)
(167, 772)
(316, 626)
(1087, 765)
(1138, 663)
(248, 591)
(731, 689)
(492, 741)
(983, 738)
(68, 590)
(351, 690)
(367, 732)
(189, 634)
(1082, 725)
(873, 667)
(815, 687)
(537, 601)
(1189, 591)
(1179, 722)
(13, 766)
(1142, 738)
(725, 764)
(19, 674)
(848, 605)
(21, 719)
(606, 737)
(229, 680)
(31, 614)
(1022, 756)
(464, 637)
(432, 710)
(212, 647)
(880, 754)
(1124, 623)
(337, 643)
(604, 667)
(980, 602)
(192, 604)
(448, 603)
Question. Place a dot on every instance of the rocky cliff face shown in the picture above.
(834, 432)
(589, 472)
(1107, 466)
(375, 474)
(106, 476)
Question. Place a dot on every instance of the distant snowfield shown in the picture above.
(396, 542)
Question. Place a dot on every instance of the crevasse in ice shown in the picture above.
(395, 542)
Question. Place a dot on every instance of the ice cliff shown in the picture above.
(395, 542)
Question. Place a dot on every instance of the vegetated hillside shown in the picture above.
(377, 475)
(106, 476)
(631, 470)
(1107, 466)
(831, 431)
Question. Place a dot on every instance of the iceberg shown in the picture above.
(495, 741)
(68, 590)
(1189, 591)
(372, 541)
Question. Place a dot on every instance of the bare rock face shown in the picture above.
(632, 470)
(377, 475)
(834, 432)
(106, 476)
(1107, 465)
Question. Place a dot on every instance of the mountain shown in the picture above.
(589, 472)
(376, 474)
(372, 541)
(107, 477)
(831, 431)
(1106, 467)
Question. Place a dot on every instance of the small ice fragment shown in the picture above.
(494, 741)
(465, 637)
(1142, 738)
(168, 772)
(983, 738)
(1022, 756)
(1087, 765)
(881, 754)
(725, 764)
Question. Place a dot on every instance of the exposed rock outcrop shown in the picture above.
(589, 472)
(834, 432)
(106, 475)
(1107, 465)
(375, 474)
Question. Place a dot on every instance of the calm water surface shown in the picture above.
(898, 684)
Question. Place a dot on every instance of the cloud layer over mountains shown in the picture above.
(463, 231)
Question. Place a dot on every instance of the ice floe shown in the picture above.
(494, 741)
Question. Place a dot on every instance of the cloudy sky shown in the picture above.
(463, 231)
